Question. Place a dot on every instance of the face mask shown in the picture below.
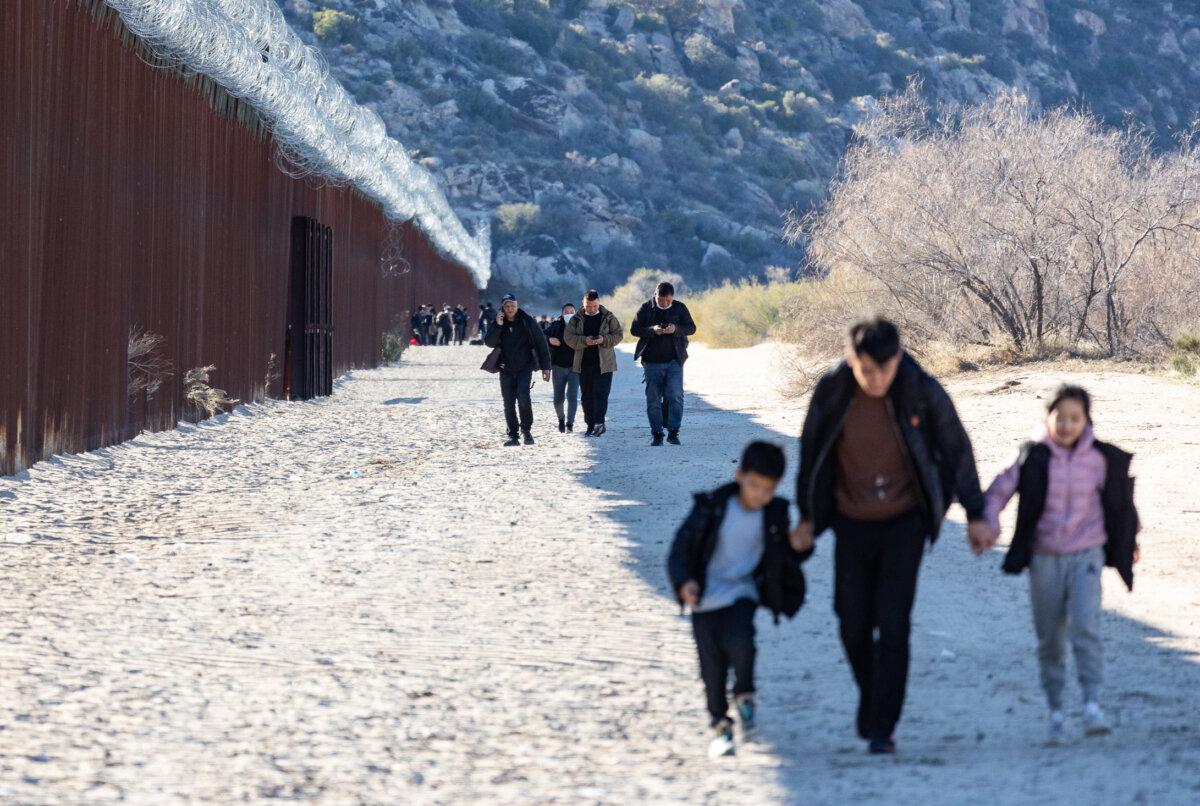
(566, 317)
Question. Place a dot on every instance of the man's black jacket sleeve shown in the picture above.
(956, 450)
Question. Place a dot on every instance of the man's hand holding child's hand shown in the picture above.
(690, 593)
(801, 537)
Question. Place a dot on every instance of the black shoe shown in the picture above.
(562, 425)
(882, 747)
(673, 436)
(528, 438)
(512, 442)
(591, 431)
(598, 430)
(571, 427)
(655, 440)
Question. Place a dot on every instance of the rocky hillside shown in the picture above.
(604, 135)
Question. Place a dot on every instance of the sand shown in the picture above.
(365, 598)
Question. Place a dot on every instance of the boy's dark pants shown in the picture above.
(725, 638)
(875, 581)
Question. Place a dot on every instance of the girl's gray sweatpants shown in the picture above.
(1065, 592)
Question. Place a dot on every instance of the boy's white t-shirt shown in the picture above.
(738, 552)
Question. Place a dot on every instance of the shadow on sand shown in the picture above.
(974, 719)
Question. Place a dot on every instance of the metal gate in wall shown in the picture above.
(308, 361)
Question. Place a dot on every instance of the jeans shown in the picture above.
(1065, 592)
(725, 638)
(566, 389)
(664, 395)
(443, 338)
(460, 333)
(594, 386)
(514, 387)
(875, 582)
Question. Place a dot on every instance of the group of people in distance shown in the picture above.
(883, 455)
(577, 352)
(433, 327)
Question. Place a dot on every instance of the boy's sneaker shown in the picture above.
(746, 716)
(722, 743)
(1094, 722)
(1057, 728)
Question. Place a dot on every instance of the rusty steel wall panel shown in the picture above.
(135, 198)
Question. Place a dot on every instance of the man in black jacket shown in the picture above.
(417, 321)
(523, 349)
(730, 556)
(662, 327)
(882, 456)
(566, 379)
(459, 315)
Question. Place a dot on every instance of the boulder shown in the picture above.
(733, 139)
(623, 24)
(1092, 21)
(718, 15)
(538, 261)
(1028, 17)
(643, 142)
(716, 258)
(846, 19)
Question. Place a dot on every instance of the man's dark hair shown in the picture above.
(570, 305)
(1069, 392)
(764, 458)
(592, 295)
(664, 289)
(877, 338)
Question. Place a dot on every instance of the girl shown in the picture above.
(1076, 514)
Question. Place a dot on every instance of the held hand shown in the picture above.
(1137, 554)
(690, 593)
(545, 375)
(554, 342)
(801, 537)
(980, 536)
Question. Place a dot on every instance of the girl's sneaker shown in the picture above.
(747, 716)
(1094, 722)
(722, 743)
(1057, 729)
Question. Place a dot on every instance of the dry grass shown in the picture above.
(146, 367)
(206, 398)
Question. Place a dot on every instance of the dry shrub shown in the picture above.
(206, 398)
(992, 226)
(145, 365)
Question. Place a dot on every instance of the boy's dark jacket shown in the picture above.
(778, 577)
(933, 437)
(1121, 522)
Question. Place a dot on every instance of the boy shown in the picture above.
(730, 556)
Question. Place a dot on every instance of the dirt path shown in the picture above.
(365, 599)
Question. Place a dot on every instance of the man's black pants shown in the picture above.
(875, 582)
(725, 638)
(594, 388)
(514, 387)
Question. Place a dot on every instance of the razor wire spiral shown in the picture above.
(248, 48)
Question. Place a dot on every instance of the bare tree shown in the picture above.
(991, 224)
